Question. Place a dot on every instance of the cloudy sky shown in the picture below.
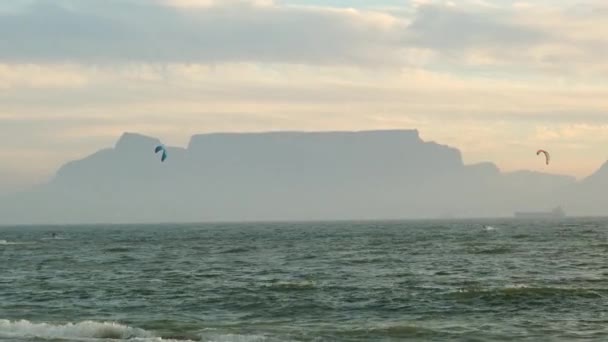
(495, 78)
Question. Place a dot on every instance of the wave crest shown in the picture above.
(86, 329)
(92, 331)
(4, 242)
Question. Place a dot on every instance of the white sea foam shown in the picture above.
(235, 338)
(90, 331)
(4, 242)
(82, 331)
(213, 337)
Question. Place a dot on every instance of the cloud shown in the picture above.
(189, 89)
(100, 32)
(39, 77)
(470, 36)
(74, 74)
(582, 133)
(452, 28)
(211, 3)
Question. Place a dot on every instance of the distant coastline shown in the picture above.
(557, 212)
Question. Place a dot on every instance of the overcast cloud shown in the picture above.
(75, 74)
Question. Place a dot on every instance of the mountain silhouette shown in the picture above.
(389, 174)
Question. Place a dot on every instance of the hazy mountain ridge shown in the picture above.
(291, 175)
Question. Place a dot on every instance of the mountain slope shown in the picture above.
(285, 176)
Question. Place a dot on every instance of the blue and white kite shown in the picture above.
(162, 148)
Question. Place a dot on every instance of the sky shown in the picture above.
(497, 79)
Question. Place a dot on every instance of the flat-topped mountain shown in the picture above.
(287, 176)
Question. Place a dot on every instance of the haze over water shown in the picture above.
(463, 280)
(291, 110)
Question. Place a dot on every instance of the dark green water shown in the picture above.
(382, 281)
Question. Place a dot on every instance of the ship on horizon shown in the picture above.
(557, 212)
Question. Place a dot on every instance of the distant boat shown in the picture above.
(553, 214)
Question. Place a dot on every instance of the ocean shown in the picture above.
(477, 280)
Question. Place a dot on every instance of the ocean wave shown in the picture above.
(291, 285)
(82, 331)
(214, 337)
(391, 331)
(491, 250)
(524, 291)
(91, 331)
(117, 249)
(237, 250)
(6, 243)
(401, 331)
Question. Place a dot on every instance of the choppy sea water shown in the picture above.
(499, 280)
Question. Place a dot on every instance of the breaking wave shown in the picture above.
(4, 242)
(91, 331)
(82, 331)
